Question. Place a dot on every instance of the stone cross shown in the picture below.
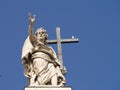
(59, 41)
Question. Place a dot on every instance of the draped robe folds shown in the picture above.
(39, 66)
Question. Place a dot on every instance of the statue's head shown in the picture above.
(41, 34)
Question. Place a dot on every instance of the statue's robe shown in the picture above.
(40, 64)
(26, 50)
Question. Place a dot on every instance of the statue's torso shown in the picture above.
(39, 54)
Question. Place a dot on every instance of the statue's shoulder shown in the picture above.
(51, 48)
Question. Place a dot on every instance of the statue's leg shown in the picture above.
(54, 80)
(61, 78)
(32, 80)
(28, 81)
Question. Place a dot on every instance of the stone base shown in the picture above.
(48, 88)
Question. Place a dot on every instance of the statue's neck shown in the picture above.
(41, 41)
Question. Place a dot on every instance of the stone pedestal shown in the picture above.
(48, 88)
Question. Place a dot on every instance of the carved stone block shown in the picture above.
(48, 88)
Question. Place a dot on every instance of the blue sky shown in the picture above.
(92, 64)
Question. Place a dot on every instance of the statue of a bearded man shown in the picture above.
(41, 65)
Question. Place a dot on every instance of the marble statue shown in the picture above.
(41, 65)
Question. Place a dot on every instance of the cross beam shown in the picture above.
(59, 41)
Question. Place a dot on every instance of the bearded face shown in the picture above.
(41, 34)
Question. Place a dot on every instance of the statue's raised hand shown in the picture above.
(31, 19)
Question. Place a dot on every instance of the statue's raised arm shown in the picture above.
(31, 19)
(31, 30)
